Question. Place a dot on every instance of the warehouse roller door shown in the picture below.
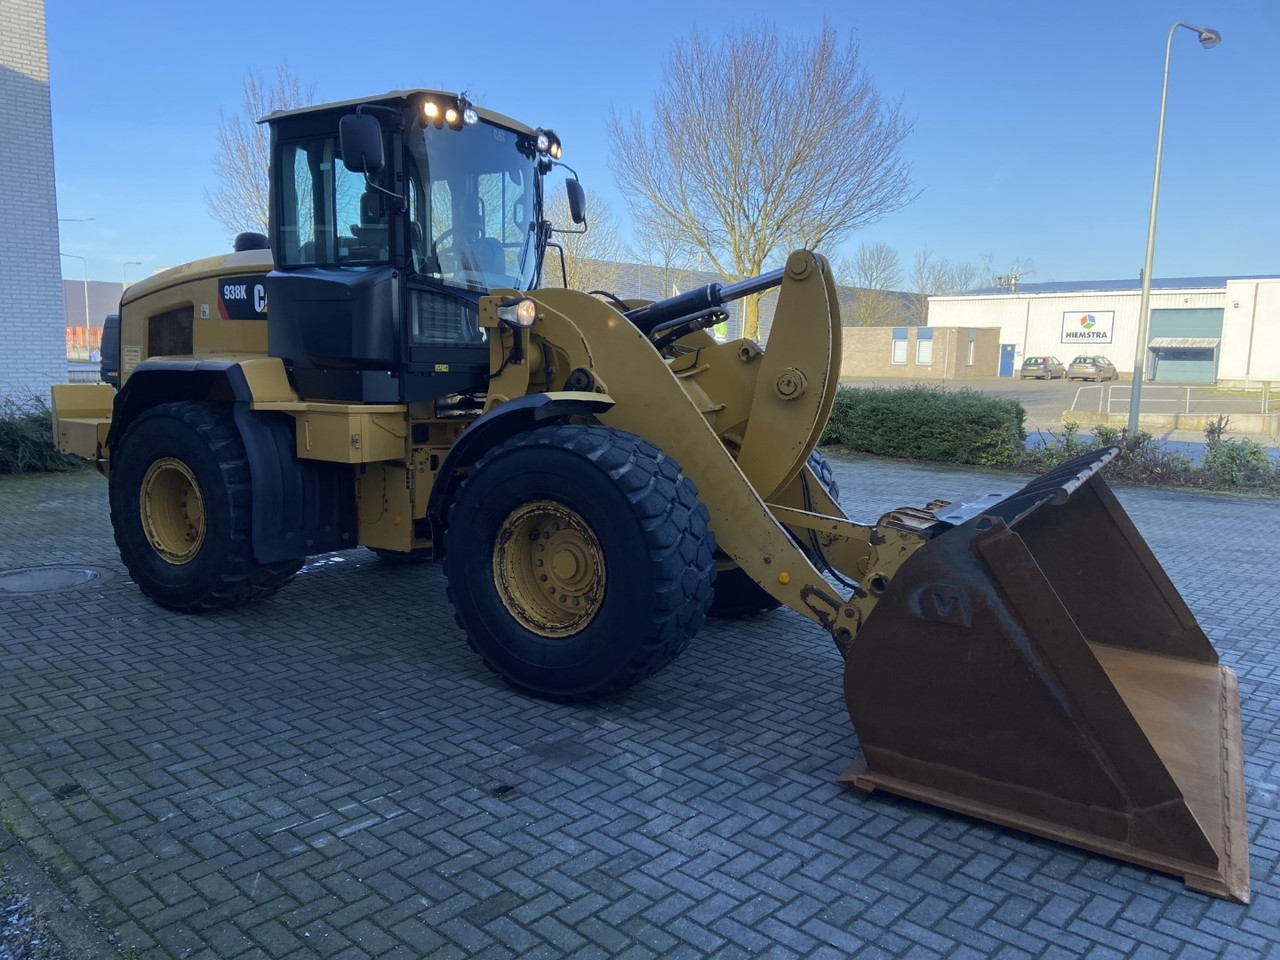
(1184, 345)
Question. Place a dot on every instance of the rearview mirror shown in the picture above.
(577, 201)
(360, 139)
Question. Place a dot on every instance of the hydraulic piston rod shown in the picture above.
(700, 300)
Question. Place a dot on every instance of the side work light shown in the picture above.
(518, 313)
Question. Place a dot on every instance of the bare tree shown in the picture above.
(760, 141)
(662, 244)
(1020, 269)
(591, 258)
(935, 276)
(239, 201)
(874, 271)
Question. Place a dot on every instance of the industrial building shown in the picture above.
(1223, 330)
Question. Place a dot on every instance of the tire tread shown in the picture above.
(241, 578)
(681, 545)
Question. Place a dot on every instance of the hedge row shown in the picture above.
(929, 423)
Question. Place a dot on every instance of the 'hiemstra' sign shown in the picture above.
(1082, 326)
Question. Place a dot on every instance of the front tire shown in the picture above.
(579, 560)
(180, 509)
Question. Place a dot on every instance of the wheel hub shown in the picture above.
(171, 508)
(549, 568)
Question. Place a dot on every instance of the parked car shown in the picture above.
(1043, 368)
(1091, 368)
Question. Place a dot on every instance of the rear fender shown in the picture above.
(299, 507)
(154, 382)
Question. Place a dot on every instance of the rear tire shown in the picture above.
(738, 596)
(613, 531)
(180, 509)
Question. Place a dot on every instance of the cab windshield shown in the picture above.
(473, 204)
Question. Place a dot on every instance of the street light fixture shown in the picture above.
(1208, 39)
(84, 263)
(124, 271)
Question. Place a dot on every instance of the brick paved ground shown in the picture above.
(332, 773)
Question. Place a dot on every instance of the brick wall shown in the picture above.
(32, 331)
(868, 352)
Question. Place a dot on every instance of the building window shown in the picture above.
(924, 346)
(969, 362)
(899, 354)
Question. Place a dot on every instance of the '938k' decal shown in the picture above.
(242, 298)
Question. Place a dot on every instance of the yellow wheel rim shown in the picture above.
(549, 569)
(171, 507)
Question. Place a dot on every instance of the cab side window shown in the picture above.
(328, 215)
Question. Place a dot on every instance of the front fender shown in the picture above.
(486, 432)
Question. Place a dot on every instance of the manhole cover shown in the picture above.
(48, 579)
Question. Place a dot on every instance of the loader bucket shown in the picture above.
(1034, 666)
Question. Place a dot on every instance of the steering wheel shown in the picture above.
(442, 251)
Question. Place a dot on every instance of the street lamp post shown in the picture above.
(124, 273)
(1208, 39)
(85, 264)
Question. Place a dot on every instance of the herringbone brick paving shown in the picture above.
(333, 773)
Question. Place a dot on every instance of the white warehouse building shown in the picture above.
(1201, 330)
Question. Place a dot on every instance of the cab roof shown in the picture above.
(399, 98)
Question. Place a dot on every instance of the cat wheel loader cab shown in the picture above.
(600, 475)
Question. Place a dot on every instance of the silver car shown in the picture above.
(1092, 367)
(1043, 368)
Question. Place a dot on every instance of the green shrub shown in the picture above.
(1142, 459)
(26, 440)
(1232, 462)
(1227, 464)
(928, 423)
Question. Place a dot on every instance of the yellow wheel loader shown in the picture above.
(386, 369)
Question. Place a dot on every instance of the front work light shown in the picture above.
(469, 116)
(518, 313)
(547, 143)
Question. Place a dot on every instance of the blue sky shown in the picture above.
(1035, 122)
